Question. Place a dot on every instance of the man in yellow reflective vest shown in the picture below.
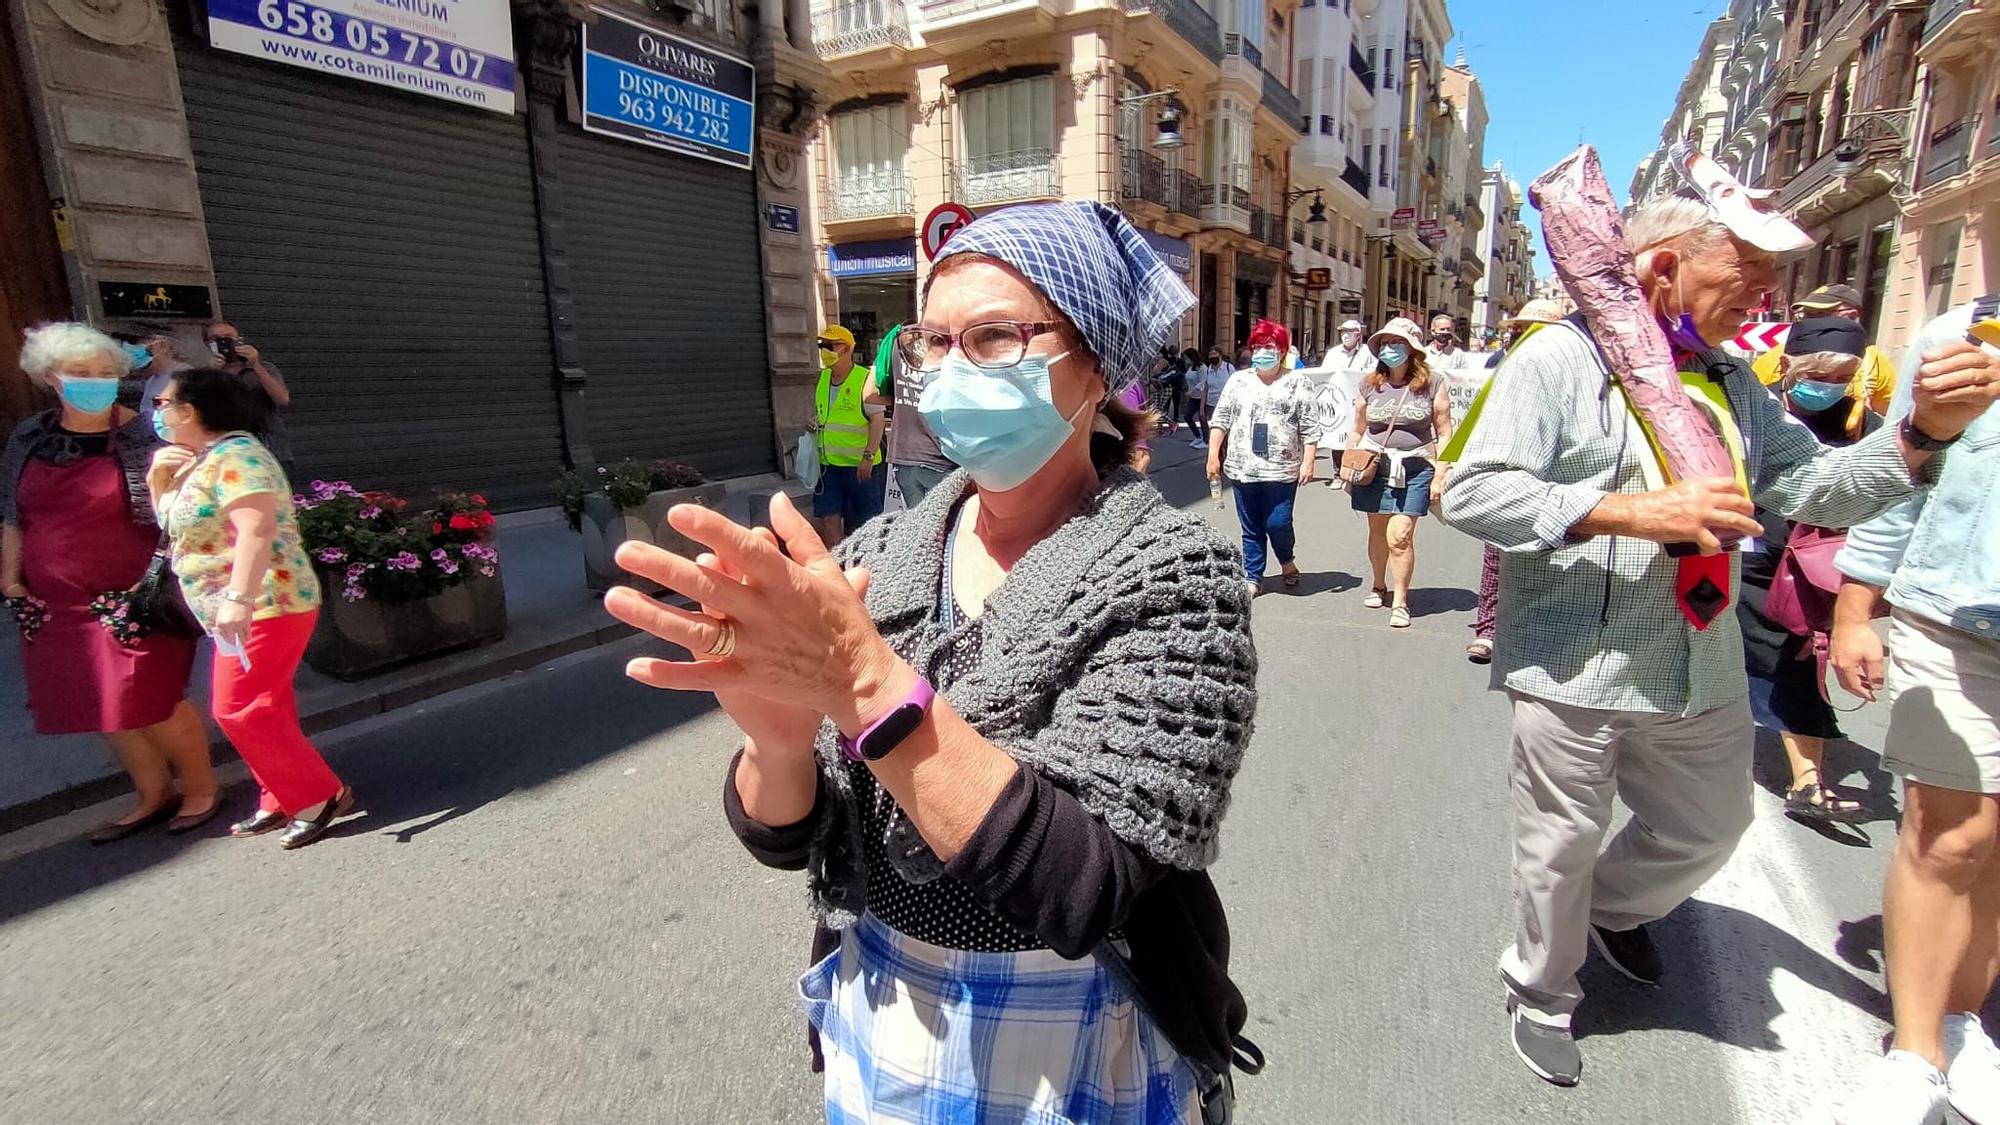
(850, 491)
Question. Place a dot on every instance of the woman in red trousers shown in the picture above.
(228, 509)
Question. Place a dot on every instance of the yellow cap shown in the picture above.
(837, 332)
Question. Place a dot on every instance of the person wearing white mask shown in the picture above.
(1350, 361)
(1264, 437)
(1405, 416)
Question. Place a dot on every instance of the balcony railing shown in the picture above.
(1186, 196)
(850, 27)
(844, 199)
(1278, 99)
(1233, 44)
(1004, 177)
(1142, 176)
(1357, 63)
(1260, 224)
(1949, 151)
(1941, 13)
(1356, 177)
(1187, 20)
(1224, 204)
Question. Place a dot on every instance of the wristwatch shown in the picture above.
(239, 599)
(1921, 441)
(889, 731)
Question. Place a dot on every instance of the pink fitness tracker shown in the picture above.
(889, 731)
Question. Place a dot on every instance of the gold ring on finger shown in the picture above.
(725, 641)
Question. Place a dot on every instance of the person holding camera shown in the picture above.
(241, 358)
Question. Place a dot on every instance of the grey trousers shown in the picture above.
(1686, 780)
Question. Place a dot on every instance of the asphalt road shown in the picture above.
(542, 918)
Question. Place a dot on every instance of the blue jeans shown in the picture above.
(1264, 508)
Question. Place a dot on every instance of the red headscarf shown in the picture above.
(1270, 334)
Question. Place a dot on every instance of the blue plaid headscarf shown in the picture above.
(1091, 263)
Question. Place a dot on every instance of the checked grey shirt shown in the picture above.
(1594, 623)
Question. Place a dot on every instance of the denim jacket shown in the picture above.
(1939, 551)
(133, 444)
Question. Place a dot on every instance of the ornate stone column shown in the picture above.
(113, 131)
(789, 81)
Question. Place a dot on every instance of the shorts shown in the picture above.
(1944, 684)
(1413, 499)
(843, 493)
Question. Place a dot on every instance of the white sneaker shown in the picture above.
(1899, 1088)
(1972, 1069)
(1197, 443)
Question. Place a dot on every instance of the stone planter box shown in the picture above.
(605, 527)
(357, 639)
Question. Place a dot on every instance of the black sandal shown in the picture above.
(1829, 807)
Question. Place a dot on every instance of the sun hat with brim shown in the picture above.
(1402, 328)
(1350, 326)
(1541, 310)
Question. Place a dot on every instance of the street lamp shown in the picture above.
(1316, 213)
(1168, 135)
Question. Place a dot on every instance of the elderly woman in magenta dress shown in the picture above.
(77, 525)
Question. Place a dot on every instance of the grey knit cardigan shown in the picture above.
(1116, 660)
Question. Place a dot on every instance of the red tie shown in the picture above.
(1701, 588)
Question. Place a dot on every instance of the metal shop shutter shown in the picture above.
(382, 249)
(665, 262)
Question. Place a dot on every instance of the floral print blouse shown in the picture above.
(236, 466)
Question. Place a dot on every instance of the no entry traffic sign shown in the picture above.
(943, 222)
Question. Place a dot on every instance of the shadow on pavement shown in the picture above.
(507, 741)
(1852, 768)
(1745, 953)
(1428, 600)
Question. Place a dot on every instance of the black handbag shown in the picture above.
(153, 605)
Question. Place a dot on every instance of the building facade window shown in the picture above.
(1007, 141)
(871, 148)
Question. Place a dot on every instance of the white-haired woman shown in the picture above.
(78, 524)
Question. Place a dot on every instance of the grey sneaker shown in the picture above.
(1549, 1051)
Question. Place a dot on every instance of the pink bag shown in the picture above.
(1807, 582)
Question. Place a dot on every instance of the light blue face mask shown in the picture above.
(1394, 355)
(92, 396)
(1264, 360)
(160, 426)
(1815, 397)
(1001, 424)
(140, 355)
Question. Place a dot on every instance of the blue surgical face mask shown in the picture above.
(160, 427)
(1394, 355)
(1815, 397)
(1001, 425)
(92, 396)
(139, 354)
(1264, 359)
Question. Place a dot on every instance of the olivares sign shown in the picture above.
(657, 89)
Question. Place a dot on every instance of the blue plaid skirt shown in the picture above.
(916, 1033)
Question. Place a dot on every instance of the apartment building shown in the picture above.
(1404, 258)
(1843, 109)
(1341, 99)
(1506, 251)
(988, 103)
(1460, 144)
(1700, 109)
(1948, 251)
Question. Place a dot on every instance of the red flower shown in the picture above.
(479, 500)
(437, 528)
(485, 519)
(463, 522)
